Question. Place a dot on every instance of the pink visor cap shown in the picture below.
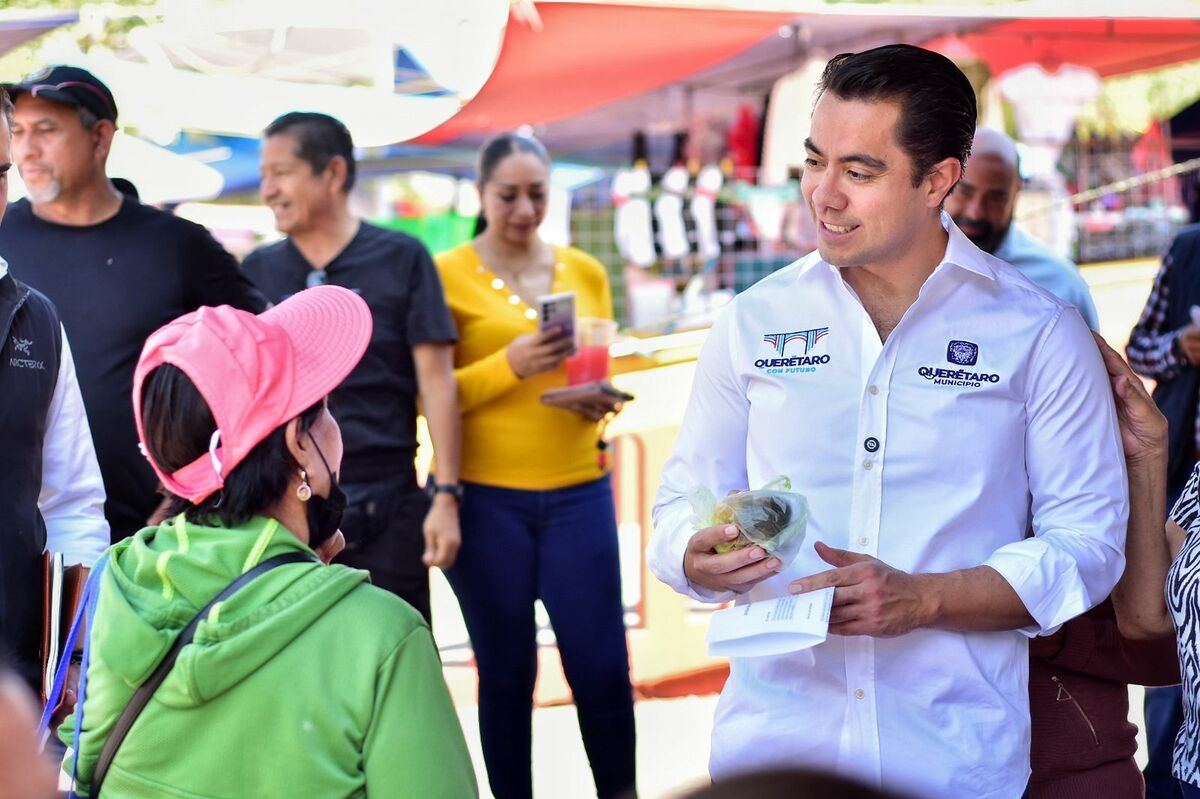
(255, 372)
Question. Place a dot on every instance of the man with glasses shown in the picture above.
(116, 269)
(391, 527)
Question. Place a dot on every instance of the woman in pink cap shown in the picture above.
(300, 679)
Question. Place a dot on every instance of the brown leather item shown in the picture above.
(73, 579)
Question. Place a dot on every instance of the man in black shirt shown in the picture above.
(117, 270)
(392, 528)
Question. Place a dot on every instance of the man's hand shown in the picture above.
(1189, 342)
(1143, 427)
(739, 570)
(442, 534)
(869, 596)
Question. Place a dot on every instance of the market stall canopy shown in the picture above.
(587, 55)
(585, 75)
(21, 25)
(231, 68)
(588, 74)
(1108, 46)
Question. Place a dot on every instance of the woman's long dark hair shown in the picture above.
(495, 150)
(179, 425)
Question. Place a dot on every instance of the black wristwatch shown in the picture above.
(453, 489)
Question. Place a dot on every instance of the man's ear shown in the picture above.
(102, 138)
(940, 180)
(297, 443)
(337, 170)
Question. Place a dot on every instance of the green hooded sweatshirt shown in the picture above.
(308, 682)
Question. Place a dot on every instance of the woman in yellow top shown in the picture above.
(537, 513)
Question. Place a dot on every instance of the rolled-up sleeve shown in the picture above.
(1077, 482)
(710, 451)
(72, 495)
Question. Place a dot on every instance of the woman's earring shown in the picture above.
(304, 490)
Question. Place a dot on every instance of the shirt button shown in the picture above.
(871, 444)
(868, 464)
(859, 694)
(873, 389)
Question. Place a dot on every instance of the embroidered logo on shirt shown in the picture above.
(797, 364)
(960, 353)
(22, 345)
(957, 377)
(963, 353)
(810, 337)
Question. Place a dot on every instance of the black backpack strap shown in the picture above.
(141, 697)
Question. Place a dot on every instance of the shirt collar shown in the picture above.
(960, 252)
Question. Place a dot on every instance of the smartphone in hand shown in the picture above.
(557, 310)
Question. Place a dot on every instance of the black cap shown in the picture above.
(71, 85)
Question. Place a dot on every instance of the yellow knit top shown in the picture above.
(510, 438)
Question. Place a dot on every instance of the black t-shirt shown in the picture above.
(114, 284)
(376, 405)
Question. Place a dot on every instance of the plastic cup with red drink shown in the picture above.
(590, 362)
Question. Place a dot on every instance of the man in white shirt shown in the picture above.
(51, 494)
(934, 405)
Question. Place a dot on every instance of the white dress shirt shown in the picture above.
(72, 495)
(986, 413)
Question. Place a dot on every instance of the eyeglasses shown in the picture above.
(316, 277)
(57, 87)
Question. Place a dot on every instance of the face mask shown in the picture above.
(325, 513)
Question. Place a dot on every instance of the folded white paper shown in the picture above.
(772, 626)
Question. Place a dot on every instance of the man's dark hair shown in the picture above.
(178, 426)
(6, 106)
(320, 138)
(495, 150)
(937, 104)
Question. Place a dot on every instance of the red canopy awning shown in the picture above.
(586, 56)
(1109, 46)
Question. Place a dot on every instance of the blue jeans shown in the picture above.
(1163, 709)
(559, 546)
(1164, 716)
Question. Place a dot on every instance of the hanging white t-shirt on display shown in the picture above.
(787, 122)
(704, 211)
(1048, 103)
(668, 210)
(631, 221)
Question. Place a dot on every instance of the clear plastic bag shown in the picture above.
(774, 517)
